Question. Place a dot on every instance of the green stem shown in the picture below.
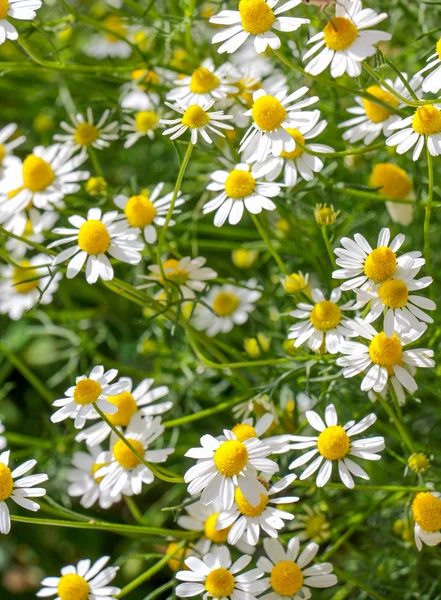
(207, 412)
(324, 230)
(342, 153)
(95, 161)
(370, 195)
(134, 510)
(399, 426)
(366, 487)
(268, 243)
(428, 210)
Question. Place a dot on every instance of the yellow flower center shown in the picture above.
(195, 117)
(314, 526)
(37, 173)
(376, 113)
(426, 509)
(124, 456)
(295, 282)
(2, 148)
(427, 120)
(392, 180)
(225, 304)
(438, 48)
(239, 184)
(115, 24)
(146, 120)
(393, 293)
(385, 351)
(295, 134)
(180, 277)
(333, 442)
(340, 33)
(177, 562)
(231, 457)
(286, 578)
(6, 482)
(93, 237)
(325, 315)
(4, 7)
(127, 407)
(203, 81)
(381, 264)
(87, 391)
(25, 280)
(246, 508)
(95, 468)
(257, 17)
(213, 534)
(86, 134)
(73, 587)
(418, 462)
(140, 211)
(244, 258)
(146, 76)
(220, 583)
(244, 432)
(268, 113)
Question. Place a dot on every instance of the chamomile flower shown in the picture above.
(122, 471)
(384, 357)
(27, 285)
(93, 238)
(78, 400)
(142, 124)
(256, 18)
(426, 511)
(189, 274)
(3, 441)
(84, 133)
(345, 41)
(273, 116)
(394, 182)
(432, 81)
(31, 225)
(85, 581)
(288, 577)
(325, 327)
(141, 400)
(198, 120)
(241, 188)
(206, 83)
(138, 94)
(247, 429)
(229, 306)
(146, 212)
(84, 482)
(23, 10)
(311, 525)
(110, 45)
(334, 444)
(360, 263)
(7, 147)
(423, 127)
(244, 519)
(18, 490)
(216, 576)
(224, 466)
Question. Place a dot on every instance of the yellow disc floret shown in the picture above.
(225, 304)
(2, 148)
(93, 237)
(375, 112)
(386, 352)
(340, 33)
(25, 280)
(231, 457)
(127, 407)
(393, 293)
(115, 24)
(195, 117)
(218, 536)
(427, 120)
(220, 583)
(124, 456)
(438, 48)
(325, 315)
(73, 587)
(426, 509)
(86, 134)
(268, 113)
(203, 81)
(248, 509)
(298, 137)
(146, 120)
(95, 468)
(286, 578)
(6, 482)
(140, 211)
(256, 15)
(239, 184)
(37, 173)
(380, 264)
(87, 391)
(4, 7)
(333, 442)
(418, 462)
(173, 273)
(243, 431)
(392, 180)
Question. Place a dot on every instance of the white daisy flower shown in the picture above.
(77, 403)
(224, 466)
(243, 519)
(82, 582)
(426, 511)
(216, 576)
(84, 132)
(247, 430)
(19, 490)
(84, 482)
(256, 18)
(25, 286)
(390, 180)
(107, 45)
(206, 83)
(229, 306)
(240, 189)
(145, 213)
(198, 120)
(272, 116)
(189, 274)
(142, 124)
(123, 472)
(30, 224)
(138, 94)
(325, 327)
(93, 238)
(3, 441)
(334, 444)
(432, 81)
(298, 162)
(360, 263)
(141, 400)
(383, 357)
(288, 576)
(423, 127)
(46, 177)
(23, 10)
(311, 525)
(346, 40)
(7, 148)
